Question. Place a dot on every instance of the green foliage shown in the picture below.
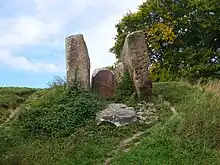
(180, 34)
(125, 88)
(159, 74)
(58, 112)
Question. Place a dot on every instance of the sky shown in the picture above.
(32, 35)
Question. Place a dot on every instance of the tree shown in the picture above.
(183, 36)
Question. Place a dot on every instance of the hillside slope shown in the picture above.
(11, 98)
(56, 126)
(190, 136)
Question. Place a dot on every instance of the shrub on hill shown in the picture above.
(58, 112)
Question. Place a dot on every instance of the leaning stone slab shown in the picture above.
(136, 60)
(117, 114)
(77, 61)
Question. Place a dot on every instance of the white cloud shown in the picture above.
(26, 31)
(99, 38)
(47, 25)
(18, 62)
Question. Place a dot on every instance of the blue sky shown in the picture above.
(32, 34)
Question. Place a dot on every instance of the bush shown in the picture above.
(59, 112)
(125, 89)
(160, 74)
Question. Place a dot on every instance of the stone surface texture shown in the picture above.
(77, 61)
(117, 114)
(136, 59)
(147, 113)
(103, 80)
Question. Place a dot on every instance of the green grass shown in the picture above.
(87, 145)
(192, 137)
(57, 127)
(11, 98)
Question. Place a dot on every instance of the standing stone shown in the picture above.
(77, 61)
(103, 80)
(136, 59)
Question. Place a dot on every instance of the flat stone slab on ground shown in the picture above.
(117, 114)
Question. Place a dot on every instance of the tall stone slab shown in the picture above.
(77, 61)
(136, 59)
(103, 80)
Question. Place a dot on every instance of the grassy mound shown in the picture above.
(192, 136)
(57, 126)
(11, 98)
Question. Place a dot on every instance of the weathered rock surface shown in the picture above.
(136, 59)
(147, 113)
(103, 80)
(117, 114)
(77, 61)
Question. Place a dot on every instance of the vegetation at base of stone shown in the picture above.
(189, 137)
(58, 112)
(183, 36)
(11, 98)
(125, 90)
